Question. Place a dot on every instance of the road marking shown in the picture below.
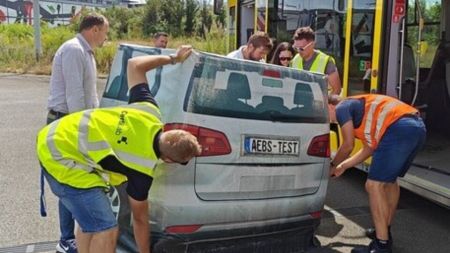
(332, 211)
(31, 248)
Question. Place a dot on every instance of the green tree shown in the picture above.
(119, 21)
(173, 12)
(191, 14)
(205, 20)
(152, 20)
(221, 18)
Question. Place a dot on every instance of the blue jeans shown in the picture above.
(91, 207)
(397, 148)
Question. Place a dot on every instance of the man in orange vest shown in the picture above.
(392, 132)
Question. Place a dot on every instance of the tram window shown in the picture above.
(431, 12)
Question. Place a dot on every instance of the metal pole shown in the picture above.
(37, 29)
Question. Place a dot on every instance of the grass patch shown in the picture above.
(18, 53)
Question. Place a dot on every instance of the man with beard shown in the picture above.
(258, 46)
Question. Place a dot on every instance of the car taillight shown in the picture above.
(185, 229)
(316, 215)
(213, 142)
(320, 146)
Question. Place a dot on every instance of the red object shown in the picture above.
(213, 142)
(271, 73)
(320, 146)
(28, 7)
(316, 215)
(185, 229)
(399, 10)
(2, 16)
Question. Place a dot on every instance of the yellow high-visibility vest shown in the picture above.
(70, 148)
(319, 64)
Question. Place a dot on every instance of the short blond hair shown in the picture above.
(181, 144)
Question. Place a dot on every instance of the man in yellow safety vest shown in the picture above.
(314, 60)
(84, 152)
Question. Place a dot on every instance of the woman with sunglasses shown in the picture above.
(283, 54)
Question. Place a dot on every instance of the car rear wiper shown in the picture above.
(282, 117)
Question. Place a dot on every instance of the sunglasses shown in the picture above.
(301, 49)
(285, 58)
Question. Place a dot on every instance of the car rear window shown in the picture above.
(241, 89)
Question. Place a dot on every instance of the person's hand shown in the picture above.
(183, 53)
(332, 170)
(339, 170)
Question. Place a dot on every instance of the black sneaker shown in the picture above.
(372, 248)
(371, 233)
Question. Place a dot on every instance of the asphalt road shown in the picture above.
(420, 226)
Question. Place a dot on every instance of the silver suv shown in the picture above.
(260, 183)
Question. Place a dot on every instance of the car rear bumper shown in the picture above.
(291, 237)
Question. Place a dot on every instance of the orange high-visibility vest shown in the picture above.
(379, 113)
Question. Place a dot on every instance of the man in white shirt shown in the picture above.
(73, 88)
(258, 46)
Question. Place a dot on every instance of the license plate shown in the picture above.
(256, 145)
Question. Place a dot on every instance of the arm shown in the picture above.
(333, 77)
(345, 149)
(141, 227)
(335, 82)
(73, 73)
(358, 158)
(139, 66)
(138, 187)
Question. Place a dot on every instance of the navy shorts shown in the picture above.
(397, 148)
(91, 208)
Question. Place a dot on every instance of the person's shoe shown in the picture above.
(66, 246)
(372, 248)
(371, 233)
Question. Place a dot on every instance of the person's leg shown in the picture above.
(97, 230)
(392, 195)
(83, 241)
(66, 223)
(104, 241)
(92, 211)
(379, 207)
(67, 240)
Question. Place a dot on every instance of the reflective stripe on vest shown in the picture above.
(57, 156)
(85, 147)
(379, 113)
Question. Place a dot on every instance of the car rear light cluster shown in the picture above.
(316, 215)
(320, 146)
(213, 142)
